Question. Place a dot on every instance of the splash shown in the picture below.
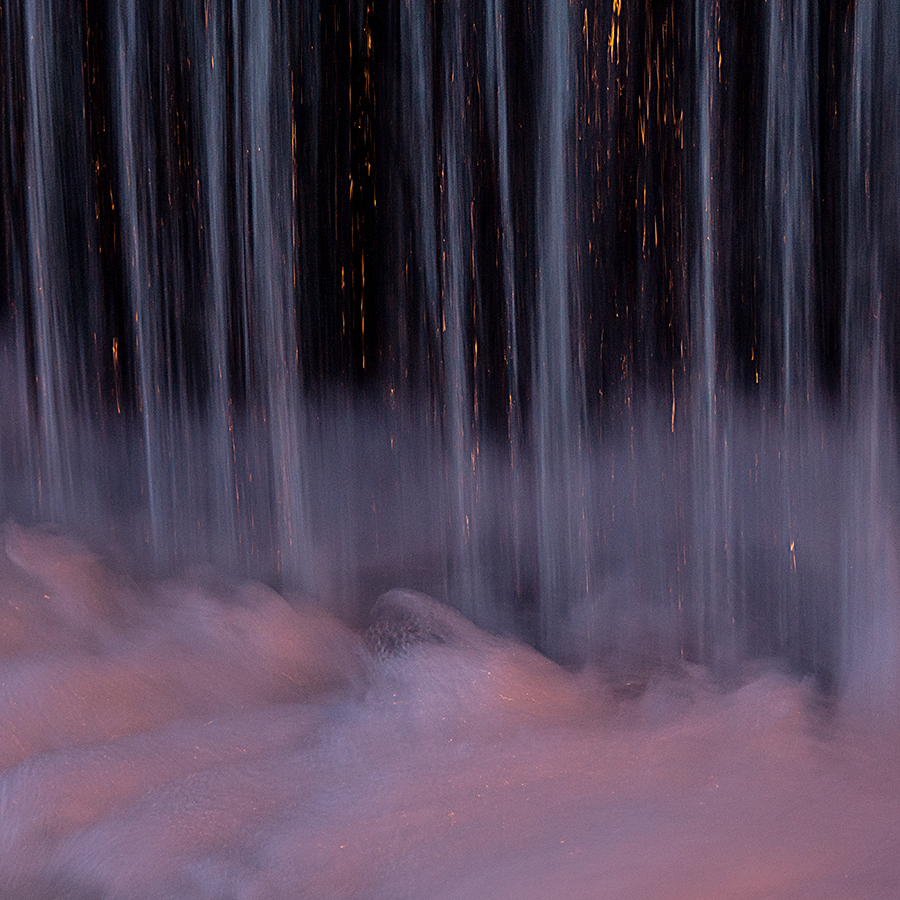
(206, 739)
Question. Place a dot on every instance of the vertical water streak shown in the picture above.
(274, 351)
(557, 383)
(49, 288)
(211, 93)
(17, 451)
(710, 439)
(788, 186)
(788, 211)
(417, 91)
(499, 122)
(870, 534)
(458, 426)
(136, 153)
(420, 319)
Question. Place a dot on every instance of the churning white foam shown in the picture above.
(199, 739)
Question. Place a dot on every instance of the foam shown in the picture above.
(220, 742)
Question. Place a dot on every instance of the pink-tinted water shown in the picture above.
(203, 740)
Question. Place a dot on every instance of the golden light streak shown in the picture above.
(615, 31)
(115, 352)
(673, 413)
(362, 310)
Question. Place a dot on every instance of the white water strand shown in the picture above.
(870, 566)
(559, 390)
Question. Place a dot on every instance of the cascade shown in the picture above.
(565, 313)
(449, 449)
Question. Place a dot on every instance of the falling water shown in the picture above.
(575, 316)
(525, 306)
(869, 564)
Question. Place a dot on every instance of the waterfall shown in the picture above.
(449, 449)
(578, 316)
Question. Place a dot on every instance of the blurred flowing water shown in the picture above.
(578, 316)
